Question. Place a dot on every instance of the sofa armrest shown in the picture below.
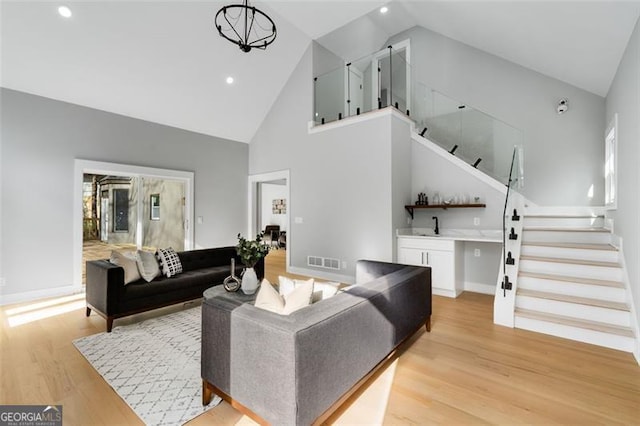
(368, 270)
(247, 358)
(105, 286)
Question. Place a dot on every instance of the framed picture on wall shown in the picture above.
(279, 206)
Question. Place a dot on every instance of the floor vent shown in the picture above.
(323, 262)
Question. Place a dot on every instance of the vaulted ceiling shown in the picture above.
(164, 61)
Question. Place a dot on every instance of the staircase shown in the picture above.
(570, 281)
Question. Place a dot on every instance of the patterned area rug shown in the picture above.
(153, 365)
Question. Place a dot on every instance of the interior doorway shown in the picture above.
(269, 205)
(130, 207)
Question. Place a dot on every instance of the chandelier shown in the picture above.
(246, 26)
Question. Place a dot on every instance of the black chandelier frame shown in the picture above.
(242, 36)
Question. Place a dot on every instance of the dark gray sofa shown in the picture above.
(107, 294)
(295, 370)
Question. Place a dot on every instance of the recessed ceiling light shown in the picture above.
(229, 80)
(384, 9)
(64, 11)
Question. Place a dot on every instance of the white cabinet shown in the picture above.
(445, 257)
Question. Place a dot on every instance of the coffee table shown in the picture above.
(234, 297)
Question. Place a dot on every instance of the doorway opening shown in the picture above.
(269, 207)
(128, 207)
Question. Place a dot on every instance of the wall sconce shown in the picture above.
(563, 106)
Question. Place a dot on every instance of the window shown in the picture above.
(611, 165)
(155, 206)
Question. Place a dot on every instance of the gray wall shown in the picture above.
(341, 181)
(563, 153)
(40, 140)
(624, 99)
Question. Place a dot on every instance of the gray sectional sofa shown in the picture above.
(296, 369)
(107, 294)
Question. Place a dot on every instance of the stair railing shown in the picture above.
(512, 225)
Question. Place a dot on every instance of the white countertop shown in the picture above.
(479, 235)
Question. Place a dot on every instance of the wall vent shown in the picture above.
(323, 262)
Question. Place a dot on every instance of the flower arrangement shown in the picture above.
(251, 251)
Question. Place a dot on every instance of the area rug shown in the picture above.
(154, 366)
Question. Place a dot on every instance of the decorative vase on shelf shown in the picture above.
(249, 281)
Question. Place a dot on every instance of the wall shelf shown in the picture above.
(411, 208)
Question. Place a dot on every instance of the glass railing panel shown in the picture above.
(329, 96)
(359, 85)
(399, 81)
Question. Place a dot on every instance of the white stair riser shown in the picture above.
(607, 340)
(572, 270)
(611, 294)
(574, 310)
(564, 222)
(570, 253)
(566, 237)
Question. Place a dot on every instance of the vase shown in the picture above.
(249, 281)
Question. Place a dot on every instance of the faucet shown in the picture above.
(436, 230)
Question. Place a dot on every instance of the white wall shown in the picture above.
(268, 193)
(624, 99)
(40, 140)
(340, 182)
(563, 153)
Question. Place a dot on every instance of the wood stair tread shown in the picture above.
(580, 246)
(565, 229)
(571, 261)
(577, 280)
(574, 322)
(573, 299)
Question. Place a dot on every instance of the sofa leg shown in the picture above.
(207, 393)
(109, 324)
(88, 311)
(428, 324)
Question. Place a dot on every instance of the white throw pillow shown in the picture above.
(147, 265)
(287, 285)
(298, 298)
(269, 299)
(126, 261)
(323, 291)
(169, 260)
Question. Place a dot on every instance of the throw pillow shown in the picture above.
(298, 298)
(169, 262)
(287, 285)
(269, 299)
(127, 262)
(147, 265)
(323, 291)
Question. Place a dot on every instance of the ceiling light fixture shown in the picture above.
(229, 80)
(246, 26)
(384, 9)
(64, 11)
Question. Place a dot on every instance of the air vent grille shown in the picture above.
(323, 262)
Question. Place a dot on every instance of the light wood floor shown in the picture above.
(466, 371)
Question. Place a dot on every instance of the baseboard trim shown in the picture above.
(317, 273)
(30, 296)
(479, 288)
